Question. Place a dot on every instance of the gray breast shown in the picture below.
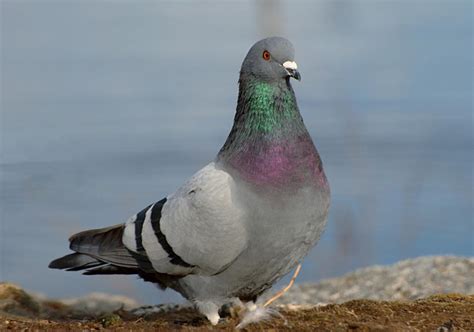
(282, 229)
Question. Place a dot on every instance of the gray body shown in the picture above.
(281, 229)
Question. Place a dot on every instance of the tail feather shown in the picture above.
(110, 269)
(88, 264)
(98, 251)
(104, 244)
(75, 262)
(94, 239)
(101, 251)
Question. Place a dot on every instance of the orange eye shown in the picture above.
(266, 55)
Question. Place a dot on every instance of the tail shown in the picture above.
(99, 251)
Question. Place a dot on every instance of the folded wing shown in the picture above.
(197, 230)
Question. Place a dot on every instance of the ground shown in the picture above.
(451, 312)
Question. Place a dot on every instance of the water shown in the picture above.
(107, 107)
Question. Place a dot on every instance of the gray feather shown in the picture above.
(75, 262)
(104, 244)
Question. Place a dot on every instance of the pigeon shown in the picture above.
(243, 221)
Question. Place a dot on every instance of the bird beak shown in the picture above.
(292, 69)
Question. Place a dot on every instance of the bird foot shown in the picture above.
(233, 309)
(257, 313)
(210, 310)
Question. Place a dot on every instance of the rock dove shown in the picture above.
(242, 222)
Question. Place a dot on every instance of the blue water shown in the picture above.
(109, 106)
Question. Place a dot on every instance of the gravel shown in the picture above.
(406, 280)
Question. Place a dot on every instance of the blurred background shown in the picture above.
(107, 106)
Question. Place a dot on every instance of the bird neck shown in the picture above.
(267, 109)
(265, 112)
(269, 143)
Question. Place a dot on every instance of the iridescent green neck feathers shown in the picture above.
(265, 111)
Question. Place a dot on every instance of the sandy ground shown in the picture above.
(452, 312)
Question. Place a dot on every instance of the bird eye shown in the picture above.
(266, 55)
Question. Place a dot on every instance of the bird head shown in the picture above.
(271, 60)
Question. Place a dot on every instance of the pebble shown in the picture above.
(410, 279)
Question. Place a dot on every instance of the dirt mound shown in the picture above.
(437, 313)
